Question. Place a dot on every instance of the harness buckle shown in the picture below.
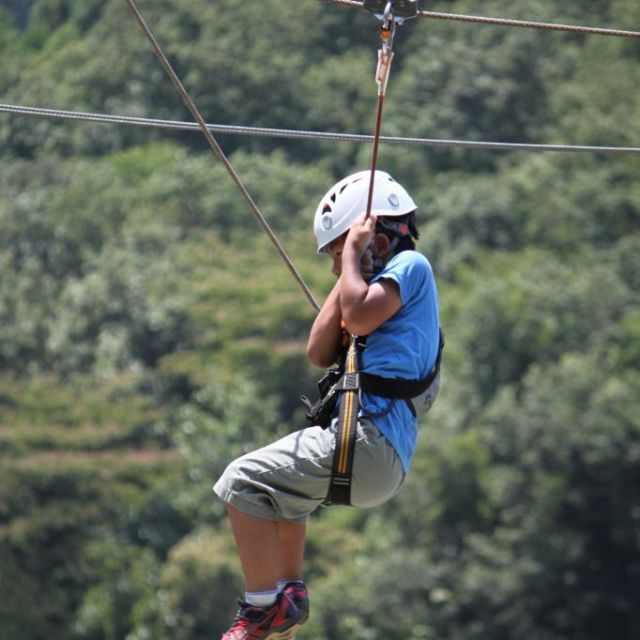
(349, 382)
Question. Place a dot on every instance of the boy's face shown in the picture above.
(334, 251)
(379, 247)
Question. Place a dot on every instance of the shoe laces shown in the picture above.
(249, 615)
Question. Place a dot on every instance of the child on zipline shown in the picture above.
(385, 290)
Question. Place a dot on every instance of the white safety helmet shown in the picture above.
(347, 199)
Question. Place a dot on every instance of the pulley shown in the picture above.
(396, 10)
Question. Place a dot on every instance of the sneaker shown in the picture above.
(278, 622)
(298, 594)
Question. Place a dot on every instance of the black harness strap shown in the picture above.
(402, 389)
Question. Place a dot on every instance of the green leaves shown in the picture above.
(149, 333)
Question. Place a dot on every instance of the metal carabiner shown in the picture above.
(388, 28)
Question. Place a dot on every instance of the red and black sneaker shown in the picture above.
(278, 622)
(297, 592)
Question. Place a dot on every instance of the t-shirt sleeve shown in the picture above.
(409, 270)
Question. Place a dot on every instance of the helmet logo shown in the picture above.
(394, 201)
(327, 222)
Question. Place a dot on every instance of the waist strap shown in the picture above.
(400, 388)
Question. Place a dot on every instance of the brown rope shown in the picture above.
(374, 154)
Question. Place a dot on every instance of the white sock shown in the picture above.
(261, 598)
(283, 583)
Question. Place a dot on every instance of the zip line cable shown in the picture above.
(298, 134)
(215, 147)
(505, 22)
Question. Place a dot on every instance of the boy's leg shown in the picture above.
(269, 550)
(291, 539)
(257, 542)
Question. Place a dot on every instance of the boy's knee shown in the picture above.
(228, 481)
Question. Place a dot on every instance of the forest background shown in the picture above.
(149, 333)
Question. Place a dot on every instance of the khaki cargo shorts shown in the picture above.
(290, 478)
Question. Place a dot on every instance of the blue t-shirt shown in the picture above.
(404, 346)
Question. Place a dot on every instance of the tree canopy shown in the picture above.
(149, 332)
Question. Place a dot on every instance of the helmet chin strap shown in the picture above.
(378, 263)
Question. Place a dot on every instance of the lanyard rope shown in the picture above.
(186, 98)
(385, 57)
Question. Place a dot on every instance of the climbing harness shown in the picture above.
(345, 383)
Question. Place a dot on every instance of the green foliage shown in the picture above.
(8, 34)
(149, 332)
(532, 308)
(202, 564)
(110, 608)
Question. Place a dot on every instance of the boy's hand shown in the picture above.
(366, 265)
(361, 233)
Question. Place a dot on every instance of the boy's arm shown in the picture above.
(364, 307)
(324, 337)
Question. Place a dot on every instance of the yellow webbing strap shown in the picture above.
(340, 485)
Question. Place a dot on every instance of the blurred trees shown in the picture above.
(149, 333)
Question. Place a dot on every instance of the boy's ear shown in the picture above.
(380, 245)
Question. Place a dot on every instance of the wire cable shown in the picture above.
(298, 134)
(215, 147)
(504, 22)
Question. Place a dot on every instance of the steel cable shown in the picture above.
(505, 22)
(308, 135)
